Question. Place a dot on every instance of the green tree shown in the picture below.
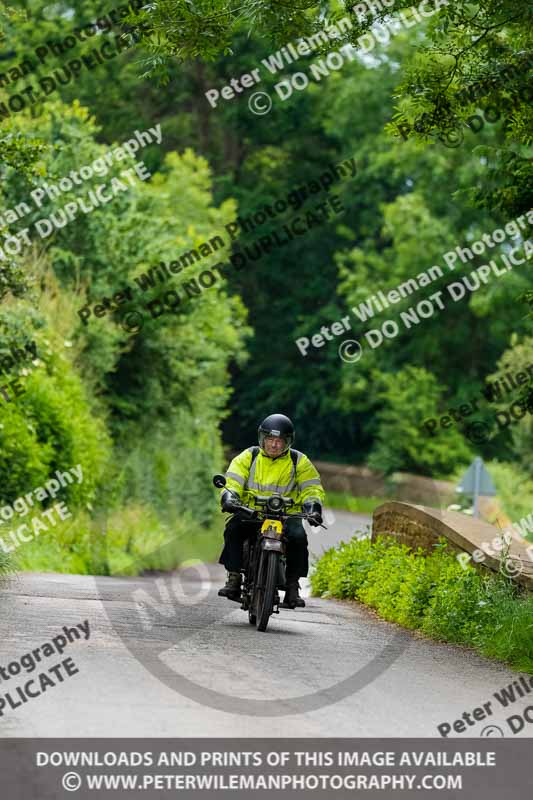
(172, 377)
(401, 442)
(519, 432)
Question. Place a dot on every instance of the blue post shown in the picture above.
(477, 482)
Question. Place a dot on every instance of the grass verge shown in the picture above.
(432, 593)
(358, 505)
(129, 541)
(5, 563)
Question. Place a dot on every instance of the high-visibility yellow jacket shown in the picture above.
(274, 475)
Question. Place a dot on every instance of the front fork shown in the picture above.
(248, 571)
(251, 554)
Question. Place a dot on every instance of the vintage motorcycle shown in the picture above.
(264, 557)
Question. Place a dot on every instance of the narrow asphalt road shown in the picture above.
(341, 527)
(167, 657)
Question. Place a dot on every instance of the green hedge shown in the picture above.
(5, 563)
(52, 426)
(434, 594)
(128, 541)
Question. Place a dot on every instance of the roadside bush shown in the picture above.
(171, 470)
(51, 427)
(511, 638)
(461, 604)
(5, 563)
(434, 594)
(401, 443)
(24, 461)
(57, 408)
(130, 541)
(515, 489)
(141, 414)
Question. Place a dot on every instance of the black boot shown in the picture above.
(232, 588)
(300, 602)
(291, 595)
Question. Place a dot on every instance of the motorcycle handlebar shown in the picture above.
(249, 511)
(252, 512)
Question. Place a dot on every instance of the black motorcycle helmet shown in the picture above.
(277, 425)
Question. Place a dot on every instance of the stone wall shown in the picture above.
(406, 488)
(364, 482)
(419, 526)
(406, 527)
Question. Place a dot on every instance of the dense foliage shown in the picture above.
(144, 412)
(432, 593)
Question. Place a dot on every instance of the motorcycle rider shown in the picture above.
(273, 467)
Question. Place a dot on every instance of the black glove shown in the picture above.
(315, 509)
(229, 501)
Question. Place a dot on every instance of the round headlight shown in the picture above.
(275, 503)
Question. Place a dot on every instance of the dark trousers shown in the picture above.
(238, 530)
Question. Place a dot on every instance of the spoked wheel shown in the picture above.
(268, 578)
(248, 560)
(252, 614)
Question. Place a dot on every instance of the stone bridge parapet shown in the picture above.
(420, 526)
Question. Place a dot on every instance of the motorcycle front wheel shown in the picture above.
(266, 589)
(249, 552)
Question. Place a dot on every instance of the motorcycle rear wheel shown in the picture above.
(268, 578)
